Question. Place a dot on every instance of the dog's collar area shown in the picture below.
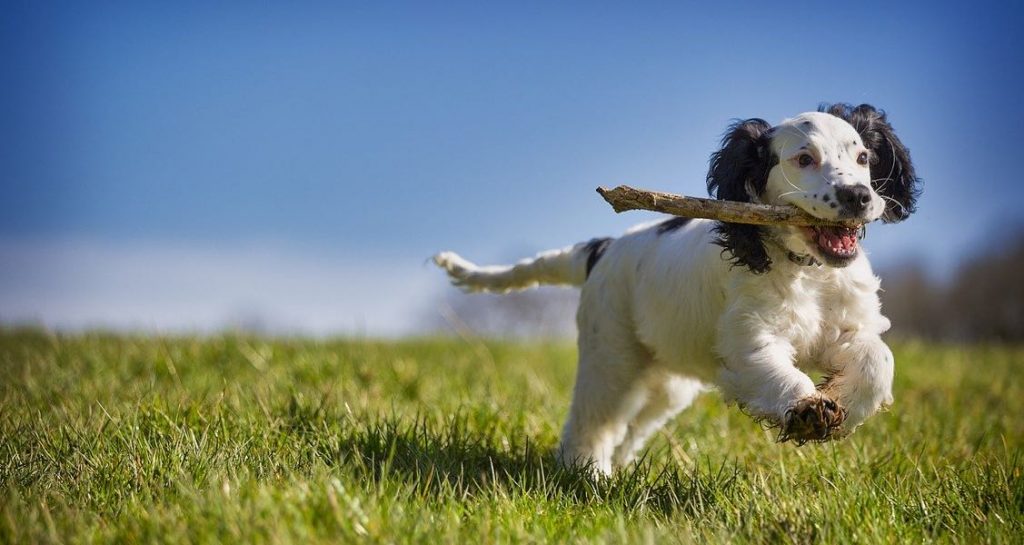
(804, 260)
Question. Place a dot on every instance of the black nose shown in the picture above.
(854, 198)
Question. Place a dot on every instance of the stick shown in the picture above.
(624, 198)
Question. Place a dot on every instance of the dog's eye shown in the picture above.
(862, 159)
(805, 160)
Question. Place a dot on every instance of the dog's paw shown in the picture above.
(814, 418)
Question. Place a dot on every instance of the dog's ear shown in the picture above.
(892, 173)
(739, 172)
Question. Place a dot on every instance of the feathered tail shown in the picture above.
(567, 266)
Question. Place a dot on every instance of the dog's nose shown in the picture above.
(854, 198)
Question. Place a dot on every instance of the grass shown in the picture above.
(238, 439)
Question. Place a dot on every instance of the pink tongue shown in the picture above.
(828, 240)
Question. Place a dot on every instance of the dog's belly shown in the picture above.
(676, 303)
(681, 340)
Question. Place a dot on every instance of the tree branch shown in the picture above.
(624, 198)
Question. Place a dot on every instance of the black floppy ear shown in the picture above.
(892, 173)
(741, 166)
(739, 172)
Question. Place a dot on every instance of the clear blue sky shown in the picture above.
(169, 167)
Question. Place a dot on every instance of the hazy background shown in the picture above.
(291, 169)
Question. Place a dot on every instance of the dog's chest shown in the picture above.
(807, 310)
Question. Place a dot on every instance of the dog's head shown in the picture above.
(842, 162)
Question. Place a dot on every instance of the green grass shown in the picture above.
(236, 439)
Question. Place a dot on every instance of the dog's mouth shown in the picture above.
(838, 244)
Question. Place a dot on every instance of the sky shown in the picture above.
(188, 166)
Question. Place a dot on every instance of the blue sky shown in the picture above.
(173, 167)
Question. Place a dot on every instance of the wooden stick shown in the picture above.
(624, 198)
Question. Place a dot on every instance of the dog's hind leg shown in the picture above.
(667, 396)
(607, 396)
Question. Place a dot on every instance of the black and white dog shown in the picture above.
(672, 307)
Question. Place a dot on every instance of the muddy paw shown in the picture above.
(815, 418)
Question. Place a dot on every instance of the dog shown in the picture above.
(674, 307)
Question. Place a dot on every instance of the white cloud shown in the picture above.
(79, 283)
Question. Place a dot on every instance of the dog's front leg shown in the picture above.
(758, 373)
(860, 368)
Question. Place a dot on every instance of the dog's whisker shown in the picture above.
(894, 201)
(892, 167)
(882, 186)
(801, 131)
(788, 181)
(787, 193)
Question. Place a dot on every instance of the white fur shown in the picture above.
(662, 315)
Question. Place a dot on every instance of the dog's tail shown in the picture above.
(567, 266)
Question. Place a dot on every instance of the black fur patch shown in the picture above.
(672, 224)
(595, 249)
(892, 173)
(738, 171)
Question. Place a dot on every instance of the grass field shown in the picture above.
(237, 439)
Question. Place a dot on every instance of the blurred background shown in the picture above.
(289, 170)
